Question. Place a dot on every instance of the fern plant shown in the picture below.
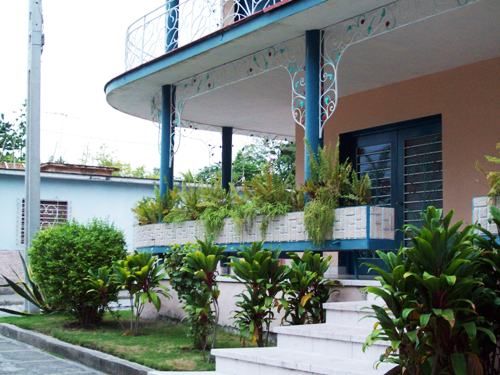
(215, 205)
(188, 206)
(266, 195)
(332, 182)
(152, 210)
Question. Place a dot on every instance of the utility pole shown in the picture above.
(32, 172)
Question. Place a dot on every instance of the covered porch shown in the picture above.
(413, 115)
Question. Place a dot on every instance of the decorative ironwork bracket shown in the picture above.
(336, 39)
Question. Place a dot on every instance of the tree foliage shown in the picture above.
(13, 138)
(105, 158)
(252, 159)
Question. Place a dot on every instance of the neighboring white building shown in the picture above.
(67, 192)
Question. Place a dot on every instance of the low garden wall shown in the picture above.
(360, 222)
(351, 290)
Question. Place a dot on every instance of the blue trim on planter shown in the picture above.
(298, 246)
(250, 25)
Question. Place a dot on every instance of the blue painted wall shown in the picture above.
(111, 200)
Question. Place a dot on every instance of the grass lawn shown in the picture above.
(161, 345)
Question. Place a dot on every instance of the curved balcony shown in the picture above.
(179, 23)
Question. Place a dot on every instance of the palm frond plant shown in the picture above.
(201, 303)
(104, 287)
(140, 274)
(306, 289)
(488, 303)
(261, 273)
(431, 290)
(28, 289)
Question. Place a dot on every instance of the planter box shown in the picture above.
(481, 212)
(351, 223)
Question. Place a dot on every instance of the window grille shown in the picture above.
(52, 212)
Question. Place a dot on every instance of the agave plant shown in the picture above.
(431, 290)
(261, 273)
(29, 290)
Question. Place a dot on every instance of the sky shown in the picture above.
(84, 49)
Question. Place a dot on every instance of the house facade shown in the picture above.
(410, 88)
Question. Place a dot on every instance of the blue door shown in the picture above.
(404, 162)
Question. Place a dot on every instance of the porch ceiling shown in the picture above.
(262, 103)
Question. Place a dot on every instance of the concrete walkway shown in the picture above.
(20, 359)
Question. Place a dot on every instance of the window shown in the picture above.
(404, 162)
(51, 213)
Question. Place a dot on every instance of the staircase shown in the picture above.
(332, 348)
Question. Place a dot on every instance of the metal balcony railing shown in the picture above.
(180, 22)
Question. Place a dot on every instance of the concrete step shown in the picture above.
(278, 361)
(350, 314)
(331, 340)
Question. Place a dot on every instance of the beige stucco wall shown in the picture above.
(468, 98)
(229, 289)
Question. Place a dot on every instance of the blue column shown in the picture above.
(227, 157)
(172, 24)
(312, 116)
(166, 158)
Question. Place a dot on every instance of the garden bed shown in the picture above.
(351, 223)
(162, 345)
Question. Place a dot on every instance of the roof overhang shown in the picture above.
(262, 104)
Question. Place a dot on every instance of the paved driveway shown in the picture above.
(17, 358)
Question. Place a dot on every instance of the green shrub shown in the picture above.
(437, 299)
(261, 273)
(306, 289)
(61, 258)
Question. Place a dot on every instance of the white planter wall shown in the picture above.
(359, 222)
(481, 212)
